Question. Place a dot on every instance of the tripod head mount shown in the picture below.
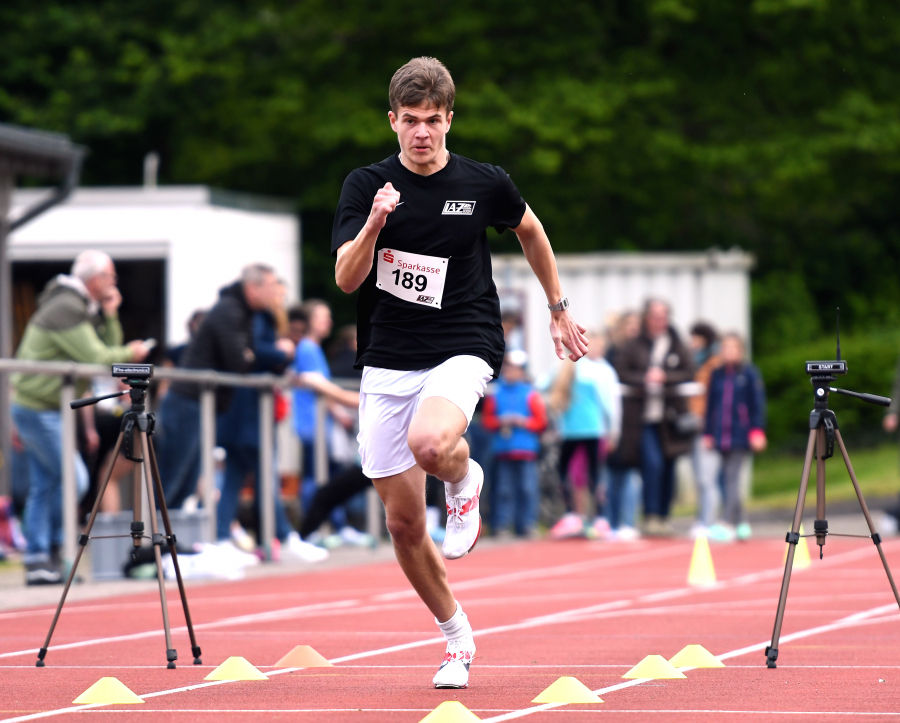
(823, 373)
(136, 376)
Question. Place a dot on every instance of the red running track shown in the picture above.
(540, 610)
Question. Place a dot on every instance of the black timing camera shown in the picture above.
(819, 368)
(132, 371)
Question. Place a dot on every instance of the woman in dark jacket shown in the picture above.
(654, 428)
(735, 423)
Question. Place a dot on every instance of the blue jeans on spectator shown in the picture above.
(240, 462)
(658, 473)
(177, 445)
(41, 434)
(516, 495)
(480, 443)
(621, 496)
(20, 483)
(338, 516)
(706, 466)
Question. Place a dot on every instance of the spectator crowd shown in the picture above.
(587, 450)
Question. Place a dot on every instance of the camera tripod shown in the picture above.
(134, 442)
(823, 434)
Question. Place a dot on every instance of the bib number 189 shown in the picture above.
(414, 278)
(407, 281)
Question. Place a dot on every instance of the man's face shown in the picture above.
(657, 320)
(264, 294)
(320, 322)
(100, 285)
(422, 133)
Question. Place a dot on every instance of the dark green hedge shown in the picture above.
(872, 360)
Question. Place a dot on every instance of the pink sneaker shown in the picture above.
(569, 526)
(601, 529)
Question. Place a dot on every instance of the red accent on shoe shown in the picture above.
(466, 508)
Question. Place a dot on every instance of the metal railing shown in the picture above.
(207, 381)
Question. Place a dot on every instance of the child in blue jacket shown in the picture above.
(516, 414)
(735, 424)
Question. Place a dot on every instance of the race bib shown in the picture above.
(412, 277)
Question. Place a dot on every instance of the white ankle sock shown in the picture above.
(457, 626)
(452, 488)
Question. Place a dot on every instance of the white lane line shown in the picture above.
(197, 600)
(239, 620)
(481, 666)
(543, 572)
(857, 619)
(500, 710)
(329, 607)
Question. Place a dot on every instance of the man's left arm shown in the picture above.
(565, 331)
(112, 334)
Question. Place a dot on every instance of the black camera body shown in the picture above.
(132, 371)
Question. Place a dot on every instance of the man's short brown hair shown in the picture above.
(422, 81)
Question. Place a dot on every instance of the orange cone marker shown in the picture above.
(303, 656)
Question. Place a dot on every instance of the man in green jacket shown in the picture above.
(76, 320)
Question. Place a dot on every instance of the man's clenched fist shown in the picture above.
(385, 202)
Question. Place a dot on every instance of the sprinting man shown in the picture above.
(410, 234)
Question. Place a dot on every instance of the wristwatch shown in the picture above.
(561, 306)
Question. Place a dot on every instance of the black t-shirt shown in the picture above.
(444, 215)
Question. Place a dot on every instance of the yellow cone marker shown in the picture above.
(802, 559)
(236, 668)
(695, 656)
(303, 656)
(654, 667)
(568, 690)
(110, 691)
(451, 711)
(702, 572)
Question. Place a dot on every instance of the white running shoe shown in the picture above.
(305, 551)
(454, 671)
(240, 558)
(463, 517)
(241, 538)
(352, 536)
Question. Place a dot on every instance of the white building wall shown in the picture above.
(204, 244)
(712, 286)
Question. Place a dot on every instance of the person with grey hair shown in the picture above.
(656, 426)
(76, 320)
(222, 343)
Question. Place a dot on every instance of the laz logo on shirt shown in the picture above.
(458, 208)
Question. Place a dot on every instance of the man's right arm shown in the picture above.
(81, 344)
(355, 258)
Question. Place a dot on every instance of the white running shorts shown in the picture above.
(389, 398)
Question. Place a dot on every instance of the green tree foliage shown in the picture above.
(871, 359)
(640, 124)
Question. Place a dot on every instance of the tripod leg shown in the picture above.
(137, 521)
(164, 511)
(876, 538)
(820, 524)
(82, 541)
(158, 539)
(793, 538)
